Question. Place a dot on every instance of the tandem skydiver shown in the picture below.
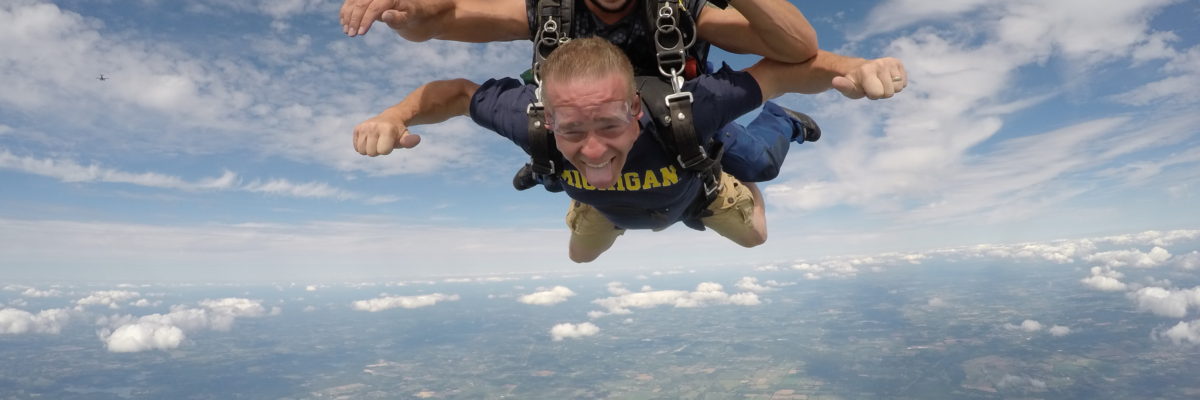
(609, 150)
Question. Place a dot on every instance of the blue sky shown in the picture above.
(220, 147)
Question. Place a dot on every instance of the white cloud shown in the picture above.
(390, 302)
(1183, 332)
(146, 303)
(573, 331)
(1028, 325)
(1058, 330)
(1188, 261)
(617, 289)
(1166, 302)
(706, 294)
(936, 302)
(148, 335)
(310, 288)
(1121, 258)
(1104, 279)
(750, 284)
(33, 292)
(110, 298)
(555, 295)
(67, 170)
(168, 331)
(14, 321)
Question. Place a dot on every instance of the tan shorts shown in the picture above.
(732, 211)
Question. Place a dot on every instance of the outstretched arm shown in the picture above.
(431, 103)
(853, 77)
(774, 29)
(420, 20)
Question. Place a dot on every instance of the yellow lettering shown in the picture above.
(669, 175)
(632, 181)
(620, 185)
(650, 181)
(569, 178)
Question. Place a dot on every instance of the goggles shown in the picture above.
(608, 119)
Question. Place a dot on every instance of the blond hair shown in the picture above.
(586, 58)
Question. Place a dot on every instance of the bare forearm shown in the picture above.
(812, 76)
(481, 21)
(433, 102)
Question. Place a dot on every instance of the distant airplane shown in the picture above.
(102, 78)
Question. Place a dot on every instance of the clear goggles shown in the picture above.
(607, 119)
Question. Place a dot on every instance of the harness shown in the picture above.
(670, 107)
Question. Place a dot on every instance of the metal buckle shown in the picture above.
(695, 161)
(708, 191)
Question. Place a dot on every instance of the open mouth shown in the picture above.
(600, 165)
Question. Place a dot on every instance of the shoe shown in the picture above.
(524, 178)
(811, 132)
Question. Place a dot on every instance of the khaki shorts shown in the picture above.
(732, 211)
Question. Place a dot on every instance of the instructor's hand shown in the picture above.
(875, 79)
(377, 136)
(409, 18)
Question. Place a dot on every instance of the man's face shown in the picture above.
(595, 123)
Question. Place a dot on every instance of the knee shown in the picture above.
(583, 258)
(752, 241)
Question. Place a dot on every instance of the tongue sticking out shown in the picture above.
(600, 176)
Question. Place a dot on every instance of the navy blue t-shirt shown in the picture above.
(653, 191)
(631, 33)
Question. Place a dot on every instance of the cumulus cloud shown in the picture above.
(33, 292)
(310, 288)
(572, 331)
(1059, 330)
(146, 303)
(390, 302)
(836, 268)
(1182, 332)
(1104, 279)
(617, 289)
(750, 284)
(555, 295)
(168, 331)
(1028, 325)
(1187, 261)
(14, 321)
(936, 302)
(1166, 302)
(706, 294)
(1121, 258)
(110, 298)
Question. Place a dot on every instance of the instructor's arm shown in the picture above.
(854, 77)
(431, 103)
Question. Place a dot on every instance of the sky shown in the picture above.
(219, 146)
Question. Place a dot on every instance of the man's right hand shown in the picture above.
(378, 136)
(409, 18)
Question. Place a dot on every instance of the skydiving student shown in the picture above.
(774, 29)
(614, 169)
